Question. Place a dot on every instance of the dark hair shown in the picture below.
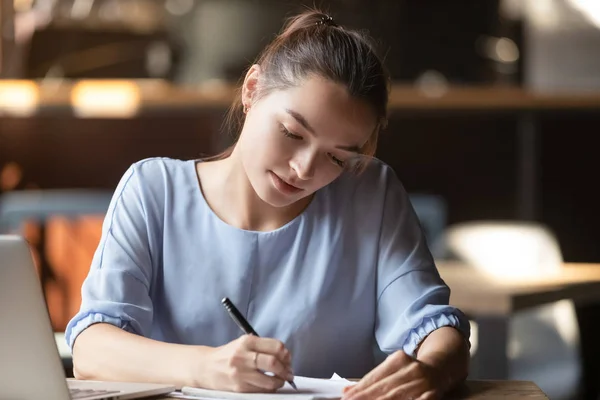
(311, 43)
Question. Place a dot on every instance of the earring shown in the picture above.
(245, 109)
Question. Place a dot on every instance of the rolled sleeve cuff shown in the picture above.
(430, 324)
(76, 327)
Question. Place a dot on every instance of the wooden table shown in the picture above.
(490, 302)
(505, 390)
(489, 390)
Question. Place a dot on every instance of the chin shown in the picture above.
(276, 199)
(273, 197)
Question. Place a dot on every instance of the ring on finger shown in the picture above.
(256, 360)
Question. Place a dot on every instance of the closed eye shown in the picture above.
(289, 134)
(337, 161)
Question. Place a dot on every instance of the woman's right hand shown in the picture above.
(240, 366)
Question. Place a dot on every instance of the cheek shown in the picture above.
(271, 145)
(256, 142)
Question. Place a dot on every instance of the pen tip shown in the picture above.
(293, 385)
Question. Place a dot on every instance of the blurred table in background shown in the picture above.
(491, 301)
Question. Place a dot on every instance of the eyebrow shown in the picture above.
(351, 149)
(302, 121)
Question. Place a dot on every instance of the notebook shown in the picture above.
(308, 389)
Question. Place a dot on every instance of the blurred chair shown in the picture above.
(39, 206)
(19, 206)
(543, 343)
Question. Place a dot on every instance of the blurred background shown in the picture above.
(493, 114)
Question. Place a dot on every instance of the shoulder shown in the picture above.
(379, 173)
(159, 173)
(154, 180)
(160, 167)
(372, 184)
(373, 197)
(151, 185)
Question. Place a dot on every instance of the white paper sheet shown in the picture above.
(308, 389)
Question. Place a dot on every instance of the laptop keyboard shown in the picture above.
(85, 393)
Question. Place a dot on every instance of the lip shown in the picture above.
(283, 186)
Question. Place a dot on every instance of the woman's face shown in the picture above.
(298, 140)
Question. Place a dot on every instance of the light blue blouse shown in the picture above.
(348, 278)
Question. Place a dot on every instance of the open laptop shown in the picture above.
(30, 365)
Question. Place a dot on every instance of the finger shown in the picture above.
(269, 363)
(272, 347)
(391, 365)
(407, 391)
(245, 387)
(264, 382)
(372, 391)
(430, 395)
(347, 388)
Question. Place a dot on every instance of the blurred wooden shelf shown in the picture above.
(156, 95)
(489, 98)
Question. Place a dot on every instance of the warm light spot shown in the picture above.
(18, 98)
(118, 99)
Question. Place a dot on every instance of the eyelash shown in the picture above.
(337, 161)
(290, 135)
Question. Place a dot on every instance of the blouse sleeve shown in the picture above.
(413, 300)
(116, 290)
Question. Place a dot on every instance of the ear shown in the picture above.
(250, 85)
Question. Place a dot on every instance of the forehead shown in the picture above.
(329, 109)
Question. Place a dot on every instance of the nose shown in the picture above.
(304, 165)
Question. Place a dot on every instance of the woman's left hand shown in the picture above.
(399, 377)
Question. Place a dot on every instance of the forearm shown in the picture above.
(446, 350)
(105, 352)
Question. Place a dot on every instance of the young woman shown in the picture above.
(313, 240)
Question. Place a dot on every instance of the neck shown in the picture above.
(231, 196)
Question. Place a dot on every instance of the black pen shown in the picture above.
(239, 319)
